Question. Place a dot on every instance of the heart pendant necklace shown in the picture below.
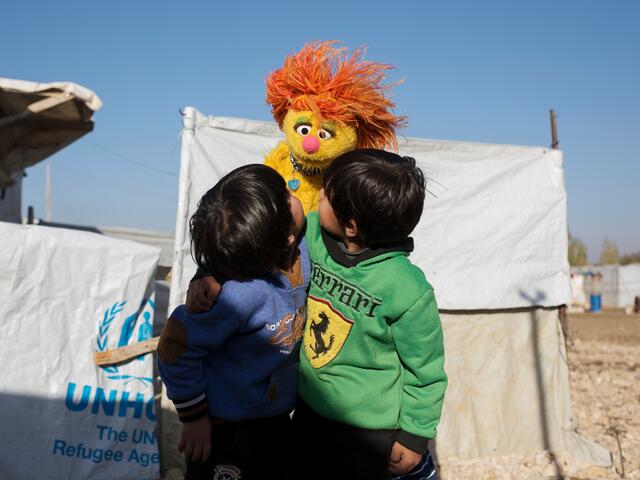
(294, 183)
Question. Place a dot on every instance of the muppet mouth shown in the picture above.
(307, 171)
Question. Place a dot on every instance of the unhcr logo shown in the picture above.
(116, 402)
(145, 331)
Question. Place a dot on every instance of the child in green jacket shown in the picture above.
(371, 381)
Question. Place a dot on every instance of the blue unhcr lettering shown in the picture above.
(84, 399)
(150, 410)
(143, 459)
(109, 406)
(96, 455)
(144, 437)
(125, 404)
(106, 402)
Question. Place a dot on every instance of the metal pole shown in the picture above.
(554, 128)
(47, 190)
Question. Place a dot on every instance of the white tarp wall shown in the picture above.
(629, 284)
(497, 230)
(495, 237)
(509, 389)
(63, 296)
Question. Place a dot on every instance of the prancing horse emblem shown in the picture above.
(318, 330)
(324, 336)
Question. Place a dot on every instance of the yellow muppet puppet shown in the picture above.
(326, 103)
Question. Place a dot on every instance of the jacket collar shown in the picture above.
(350, 260)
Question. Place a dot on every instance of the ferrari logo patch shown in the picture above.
(325, 332)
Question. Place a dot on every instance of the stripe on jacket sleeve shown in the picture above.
(190, 410)
(187, 403)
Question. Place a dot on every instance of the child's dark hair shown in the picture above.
(383, 192)
(241, 227)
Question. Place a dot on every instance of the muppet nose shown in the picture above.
(310, 144)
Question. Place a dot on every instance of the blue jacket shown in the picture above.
(240, 359)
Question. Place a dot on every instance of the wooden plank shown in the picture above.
(39, 106)
(122, 354)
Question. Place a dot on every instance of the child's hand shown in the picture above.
(402, 460)
(195, 441)
(202, 293)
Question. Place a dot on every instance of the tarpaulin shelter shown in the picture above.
(66, 295)
(493, 243)
(36, 121)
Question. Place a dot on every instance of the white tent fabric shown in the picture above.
(578, 295)
(161, 240)
(494, 237)
(629, 284)
(65, 295)
(508, 388)
(83, 93)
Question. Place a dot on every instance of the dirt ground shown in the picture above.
(604, 363)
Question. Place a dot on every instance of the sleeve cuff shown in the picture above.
(191, 410)
(413, 442)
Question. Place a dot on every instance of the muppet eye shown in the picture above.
(324, 134)
(303, 130)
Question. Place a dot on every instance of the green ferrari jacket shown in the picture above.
(372, 354)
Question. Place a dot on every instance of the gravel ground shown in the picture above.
(604, 363)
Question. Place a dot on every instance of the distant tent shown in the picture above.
(36, 121)
(620, 284)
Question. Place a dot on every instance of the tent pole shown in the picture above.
(47, 189)
(562, 310)
(554, 128)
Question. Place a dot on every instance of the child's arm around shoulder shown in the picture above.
(202, 292)
(419, 342)
(188, 338)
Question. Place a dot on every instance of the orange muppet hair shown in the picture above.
(325, 80)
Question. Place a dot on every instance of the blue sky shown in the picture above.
(476, 71)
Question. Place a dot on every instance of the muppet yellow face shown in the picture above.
(317, 140)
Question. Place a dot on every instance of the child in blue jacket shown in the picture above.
(232, 371)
